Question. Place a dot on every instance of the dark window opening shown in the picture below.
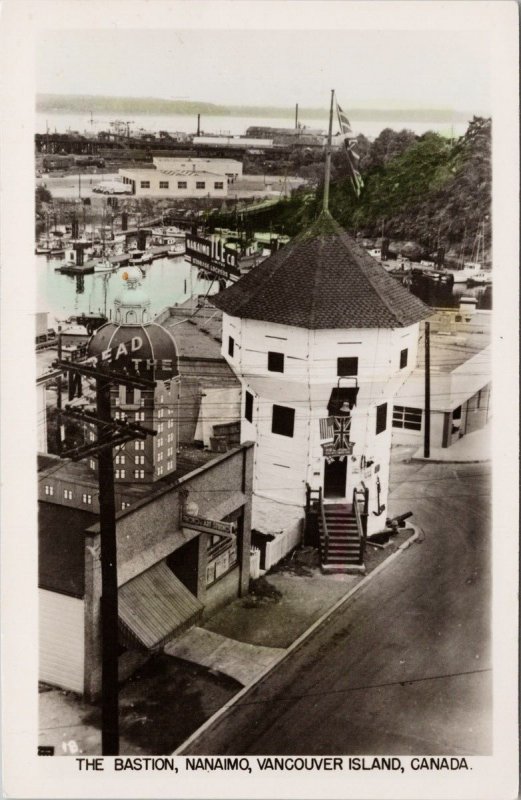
(381, 418)
(231, 346)
(283, 421)
(275, 362)
(403, 358)
(248, 407)
(347, 366)
(340, 396)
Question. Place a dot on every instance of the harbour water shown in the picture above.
(167, 281)
(173, 280)
(228, 125)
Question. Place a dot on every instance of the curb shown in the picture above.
(298, 642)
(421, 460)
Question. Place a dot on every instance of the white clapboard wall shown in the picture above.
(62, 642)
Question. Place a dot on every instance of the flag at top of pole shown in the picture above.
(350, 149)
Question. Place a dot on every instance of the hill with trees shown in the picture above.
(424, 189)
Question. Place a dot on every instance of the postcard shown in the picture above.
(259, 399)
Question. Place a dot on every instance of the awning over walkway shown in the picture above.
(155, 605)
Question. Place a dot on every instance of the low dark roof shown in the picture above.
(322, 279)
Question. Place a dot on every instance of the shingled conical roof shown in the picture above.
(322, 279)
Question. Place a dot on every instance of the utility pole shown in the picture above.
(109, 579)
(111, 433)
(427, 426)
(327, 171)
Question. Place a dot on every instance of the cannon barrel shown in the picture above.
(398, 519)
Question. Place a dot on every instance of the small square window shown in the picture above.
(163, 184)
(145, 184)
(231, 346)
(275, 362)
(381, 418)
(200, 184)
(218, 185)
(403, 357)
(283, 420)
(347, 365)
(182, 184)
(248, 407)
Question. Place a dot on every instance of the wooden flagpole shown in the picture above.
(327, 171)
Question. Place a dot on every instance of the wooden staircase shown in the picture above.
(340, 540)
(338, 529)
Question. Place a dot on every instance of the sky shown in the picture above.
(385, 69)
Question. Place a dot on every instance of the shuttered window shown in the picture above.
(283, 420)
(381, 418)
(248, 407)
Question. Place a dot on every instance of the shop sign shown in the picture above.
(211, 526)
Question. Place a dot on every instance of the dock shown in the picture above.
(160, 251)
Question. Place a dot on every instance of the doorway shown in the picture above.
(335, 474)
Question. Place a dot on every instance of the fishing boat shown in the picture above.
(104, 265)
(177, 249)
(139, 257)
(473, 270)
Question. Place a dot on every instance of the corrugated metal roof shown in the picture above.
(153, 606)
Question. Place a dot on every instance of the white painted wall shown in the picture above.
(283, 465)
(61, 640)
(155, 177)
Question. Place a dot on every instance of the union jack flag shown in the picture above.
(350, 146)
(341, 432)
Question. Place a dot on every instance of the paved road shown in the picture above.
(405, 667)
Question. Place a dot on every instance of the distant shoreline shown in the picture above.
(85, 104)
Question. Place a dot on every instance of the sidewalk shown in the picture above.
(472, 447)
(177, 691)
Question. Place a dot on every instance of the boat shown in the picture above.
(473, 270)
(104, 265)
(139, 257)
(49, 247)
(481, 278)
(177, 249)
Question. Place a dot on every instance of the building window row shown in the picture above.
(120, 473)
(67, 494)
(49, 490)
(139, 473)
(120, 459)
(407, 417)
(170, 465)
(139, 444)
(124, 505)
(139, 459)
(86, 498)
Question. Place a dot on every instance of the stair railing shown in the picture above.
(361, 518)
(324, 525)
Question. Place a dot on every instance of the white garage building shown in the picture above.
(175, 182)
